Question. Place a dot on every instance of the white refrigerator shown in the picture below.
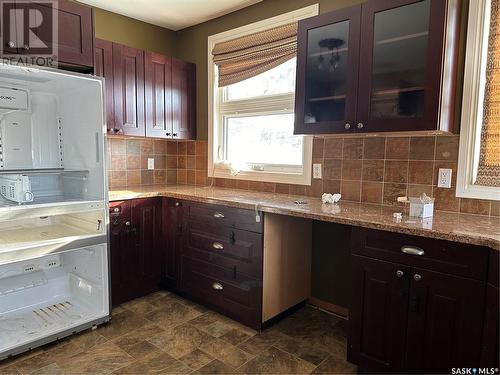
(54, 253)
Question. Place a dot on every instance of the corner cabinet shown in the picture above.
(382, 66)
(147, 94)
(136, 248)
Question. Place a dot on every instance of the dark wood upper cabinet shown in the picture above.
(158, 81)
(383, 66)
(147, 94)
(103, 67)
(327, 72)
(128, 82)
(183, 99)
(75, 26)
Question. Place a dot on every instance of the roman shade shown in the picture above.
(488, 173)
(245, 57)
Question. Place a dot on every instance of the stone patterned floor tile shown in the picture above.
(11, 369)
(140, 306)
(141, 349)
(102, 359)
(122, 324)
(333, 365)
(136, 336)
(225, 352)
(166, 334)
(88, 339)
(217, 328)
(196, 359)
(51, 369)
(217, 367)
(303, 350)
(261, 341)
(235, 337)
(180, 340)
(276, 361)
(172, 314)
(153, 363)
(49, 355)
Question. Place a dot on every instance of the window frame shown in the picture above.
(273, 104)
(472, 103)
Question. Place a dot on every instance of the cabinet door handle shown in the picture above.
(217, 286)
(414, 304)
(399, 273)
(167, 134)
(412, 250)
(417, 277)
(174, 135)
(219, 215)
(11, 44)
(360, 125)
(347, 126)
(218, 246)
(177, 204)
(128, 223)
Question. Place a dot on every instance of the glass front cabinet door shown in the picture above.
(327, 72)
(386, 65)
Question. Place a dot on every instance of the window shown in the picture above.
(251, 122)
(479, 156)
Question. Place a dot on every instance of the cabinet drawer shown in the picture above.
(239, 297)
(439, 255)
(228, 216)
(225, 246)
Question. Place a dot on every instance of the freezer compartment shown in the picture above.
(35, 232)
(48, 295)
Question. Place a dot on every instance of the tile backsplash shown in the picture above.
(128, 161)
(370, 169)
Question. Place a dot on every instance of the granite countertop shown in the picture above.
(465, 228)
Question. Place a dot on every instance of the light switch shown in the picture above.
(151, 163)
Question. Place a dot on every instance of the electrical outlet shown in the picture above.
(444, 177)
(317, 170)
(151, 163)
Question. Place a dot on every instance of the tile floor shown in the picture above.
(163, 333)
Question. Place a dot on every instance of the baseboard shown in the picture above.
(330, 307)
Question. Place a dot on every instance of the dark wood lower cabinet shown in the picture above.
(377, 319)
(136, 248)
(444, 322)
(410, 319)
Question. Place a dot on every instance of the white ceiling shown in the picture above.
(172, 14)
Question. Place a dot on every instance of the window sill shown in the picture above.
(261, 176)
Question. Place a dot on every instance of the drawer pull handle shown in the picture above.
(218, 246)
(217, 286)
(412, 250)
(219, 215)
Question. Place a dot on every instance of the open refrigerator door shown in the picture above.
(54, 267)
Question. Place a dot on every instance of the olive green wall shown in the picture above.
(134, 33)
(192, 41)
